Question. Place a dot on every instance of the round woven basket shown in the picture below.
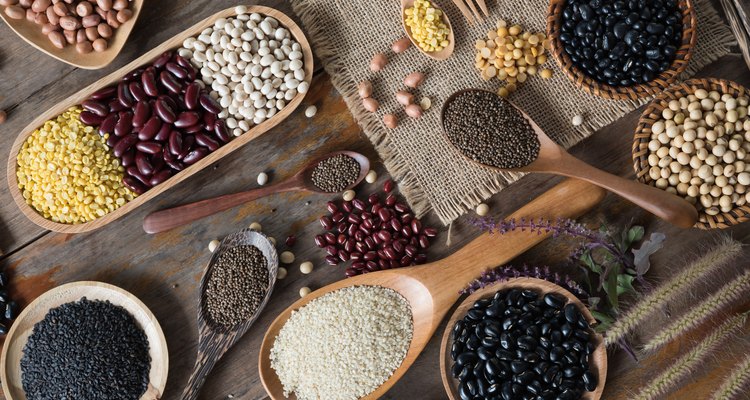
(653, 87)
(652, 113)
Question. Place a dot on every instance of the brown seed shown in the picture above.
(92, 34)
(47, 28)
(6, 3)
(52, 17)
(112, 19)
(60, 9)
(3, 117)
(15, 12)
(390, 121)
(404, 98)
(124, 16)
(413, 110)
(414, 79)
(84, 47)
(40, 5)
(84, 8)
(41, 18)
(105, 5)
(364, 89)
(70, 23)
(57, 39)
(104, 30)
(378, 62)
(70, 36)
(81, 35)
(100, 44)
(91, 20)
(120, 4)
(370, 104)
(401, 45)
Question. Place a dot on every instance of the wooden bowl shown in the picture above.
(651, 88)
(10, 362)
(435, 55)
(642, 136)
(598, 359)
(114, 77)
(32, 34)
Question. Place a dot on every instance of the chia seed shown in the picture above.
(335, 174)
(489, 130)
(237, 285)
(86, 350)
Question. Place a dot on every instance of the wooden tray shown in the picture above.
(114, 77)
(32, 34)
(10, 363)
(598, 358)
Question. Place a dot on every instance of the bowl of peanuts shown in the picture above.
(693, 140)
(87, 34)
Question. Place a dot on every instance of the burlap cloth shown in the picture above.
(431, 174)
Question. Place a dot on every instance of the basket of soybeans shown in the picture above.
(693, 140)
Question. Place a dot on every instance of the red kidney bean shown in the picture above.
(330, 238)
(343, 255)
(390, 253)
(150, 129)
(128, 158)
(209, 119)
(320, 241)
(171, 160)
(209, 104)
(331, 207)
(424, 242)
(347, 206)
(91, 119)
(220, 129)
(170, 102)
(206, 141)
(170, 82)
(331, 260)
(290, 240)
(176, 70)
(182, 61)
(162, 60)
(358, 204)
(141, 114)
(341, 238)
(157, 161)
(137, 91)
(149, 147)
(384, 214)
(135, 173)
(349, 272)
(372, 266)
(143, 164)
(134, 74)
(164, 110)
(410, 250)
(355, 256)
(195, 155)
(192, 91)
(385, 236)
(188, 142)
(112, 141)
(104, 93)
(194, 129)
(186, 118)
(124, 124)
(416, 226)
(124, 96)
(390, 201)
(163, 134)
(388, 186)
(115, 106)
(326, 222)
(350, 245)
(95, 107)
(133, 184)
(175, 143)
(398, 246)
(430, 232)
(149, 83)
(406, 261)
(160, 177)
(353, 228)
(125, 144)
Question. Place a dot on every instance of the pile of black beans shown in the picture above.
(621, 42)
(518, 345)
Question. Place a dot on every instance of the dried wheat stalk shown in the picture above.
(738, 20)
(732, 387)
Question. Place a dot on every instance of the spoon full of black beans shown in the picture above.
(621, 42)
(519, 344)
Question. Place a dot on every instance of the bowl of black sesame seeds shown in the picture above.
(622, 49)
(85, 340)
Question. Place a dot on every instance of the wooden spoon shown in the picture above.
(431, 289)
(598, 360)
(554, 159)
(436, 55)
(165, 220)
(214, 340)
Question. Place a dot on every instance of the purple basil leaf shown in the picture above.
(641, 256)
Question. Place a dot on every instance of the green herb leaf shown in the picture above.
(625, 284)
(610, 287)
(604, 318)
(635, 234)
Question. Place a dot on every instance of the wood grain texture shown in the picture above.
(164, 270)
(598, 360)
(32, 34)
(115, 77)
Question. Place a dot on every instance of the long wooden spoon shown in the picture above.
(436, 55)
(170, 218)
(554, 159)
(431, 289)
(215, 340)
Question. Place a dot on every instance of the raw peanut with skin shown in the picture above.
(15, 12)
(57, 39)
(84, 8)
(364, 89)
(104, 30)
(40, 5)
(370, 104)
(399, 46)
(378, 62)
(413, 110)
(404, 98)
(390, 121)
(414, 79)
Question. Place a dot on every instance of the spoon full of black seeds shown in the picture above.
(521, 343)
(334, 172)
(493, 132)
(235, 288)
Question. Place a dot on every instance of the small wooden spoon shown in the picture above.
(554, 159)
(215, 340)
(436, 55)
(431, 289)
(598, 360)
(170, 218)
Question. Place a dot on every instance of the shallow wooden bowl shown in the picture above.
(598, 360)
(651, 88)
(435, 55)
(114, 77)
(652, 113)
(32, 34)
(10, 362)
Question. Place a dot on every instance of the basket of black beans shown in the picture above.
(622, 49)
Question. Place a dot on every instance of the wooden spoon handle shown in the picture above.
(170, 218)
(210, 349)
(664, 205)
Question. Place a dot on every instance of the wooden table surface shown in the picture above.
(164, 270)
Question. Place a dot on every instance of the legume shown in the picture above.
(237, 285)
(344, 344)
(262, 178)
(336, 173)
(489, 130)
(520, 345)
(88, 349)
(67, 173)
(426, 26)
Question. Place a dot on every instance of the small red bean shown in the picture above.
(347, 206)
(430, 232)
(331, 260)
(373, 199)
(338, 217)
(349, 272)
(330, 238)
(341, 238)
(331, 206)
(388, 186)
(320, 241)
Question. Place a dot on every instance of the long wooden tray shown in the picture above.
(114, 77)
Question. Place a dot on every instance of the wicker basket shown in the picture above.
(651, 88)
(643, 136)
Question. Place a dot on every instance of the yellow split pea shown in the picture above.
(67, 172)
(427, 27)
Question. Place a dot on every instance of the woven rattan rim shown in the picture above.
(643, 136)
(651, 88)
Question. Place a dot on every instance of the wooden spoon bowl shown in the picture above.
(214, 340)
(598, 360)
(10, 362)
(435, 55)
(32, 34)
(431, 289)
